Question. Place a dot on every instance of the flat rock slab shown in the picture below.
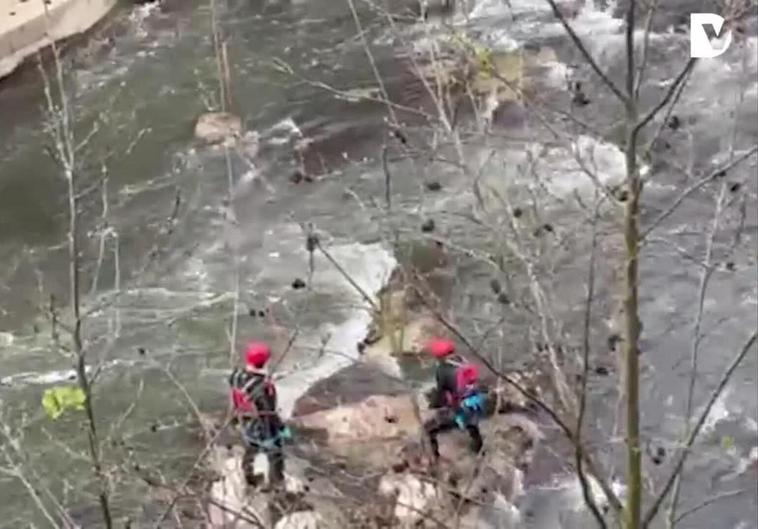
(353, 384)
(368, 433)
(377, 417)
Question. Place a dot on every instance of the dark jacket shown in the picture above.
(255, 394)
(445, 393)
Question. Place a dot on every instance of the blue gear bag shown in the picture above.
(470, 408)
(474, 402)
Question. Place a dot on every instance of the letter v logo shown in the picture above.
(700, 44)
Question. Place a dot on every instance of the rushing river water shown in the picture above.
(151, 71)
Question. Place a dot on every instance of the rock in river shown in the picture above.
(217, 127)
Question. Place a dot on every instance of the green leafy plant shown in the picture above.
(60, 399)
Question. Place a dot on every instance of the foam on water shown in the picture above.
(730, 406)
(565, 170)
(500, 8)
(370, 267)
(548, 506)
(534, 18)
(6, 339)
(140, 14)
(590, 22)
(33, 378)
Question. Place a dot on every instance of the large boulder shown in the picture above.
(369, 432)
(350, 385)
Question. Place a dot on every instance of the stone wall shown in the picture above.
(27, 27)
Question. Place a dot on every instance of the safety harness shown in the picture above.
(469, 400)
(246, 408)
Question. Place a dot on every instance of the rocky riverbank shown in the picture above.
(362, 464)
(359, 459)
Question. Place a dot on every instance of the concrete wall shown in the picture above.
(25, 27)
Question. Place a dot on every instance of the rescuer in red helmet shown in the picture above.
(457, 396)
(254, 401)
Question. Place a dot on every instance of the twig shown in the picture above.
(709, 501)
(188, 398)
(694, 187)
(347, 277)
(680, 79)
(285, 68)
(63, 136)
(371, 60)
(233, 225)
(705, 277)
(685, 451)
(15, 471)
(198, 461)
(631, 15)
(578, 461)
(585, 53)
(387, 179)
(104, 231)
(666, 118)
(642, 67)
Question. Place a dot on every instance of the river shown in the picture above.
(150, 72)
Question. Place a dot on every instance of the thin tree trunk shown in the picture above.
(632, 336)
(633, 508)
(81, 364)
(65, 146)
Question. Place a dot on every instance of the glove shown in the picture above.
(285, 433)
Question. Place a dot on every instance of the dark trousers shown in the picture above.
(443, 421)
(262, 437)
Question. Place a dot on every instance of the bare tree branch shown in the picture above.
(66, 158)
(371, 60)
(347, 277)
(589, 499)
(707, 502)
(694, 187)
(681, 78)
(705, 276)
(585, 53)
(642, 66)
(685, 450)
(631, 15)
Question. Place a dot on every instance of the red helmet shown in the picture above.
(440, 348)
(257, 354)
(468, 374)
